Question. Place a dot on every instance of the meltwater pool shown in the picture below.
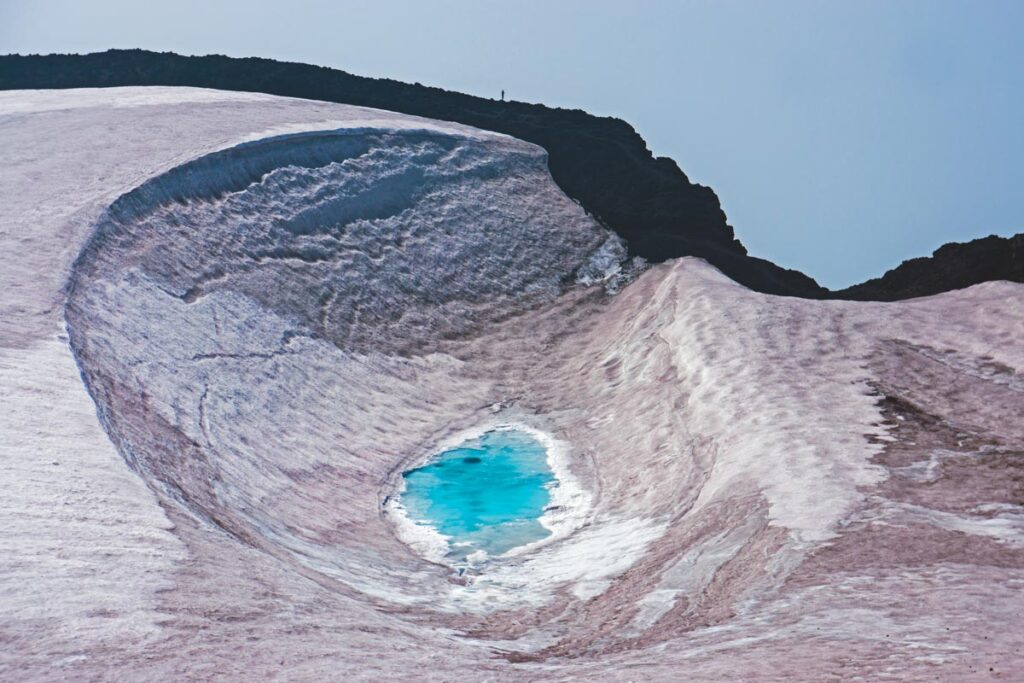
(486, 495)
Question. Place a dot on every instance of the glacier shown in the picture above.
(231, 321)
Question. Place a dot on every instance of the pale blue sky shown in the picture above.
(841, 137)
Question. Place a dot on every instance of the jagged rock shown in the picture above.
(952, 266)
(600, 161)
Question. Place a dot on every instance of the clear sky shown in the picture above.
(841, 137)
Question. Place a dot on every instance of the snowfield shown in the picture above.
(229, 321)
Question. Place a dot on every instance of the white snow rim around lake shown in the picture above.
(568, 509)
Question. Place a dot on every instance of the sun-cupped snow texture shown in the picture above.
(279, 305)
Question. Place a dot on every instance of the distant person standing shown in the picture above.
(502, 95)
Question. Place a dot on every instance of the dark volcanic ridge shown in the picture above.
(601, 162)
(952, 266)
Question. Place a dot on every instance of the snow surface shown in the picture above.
(277, 306)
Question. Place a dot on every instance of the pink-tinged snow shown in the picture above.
(764, 488)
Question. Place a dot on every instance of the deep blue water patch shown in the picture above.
(486, 494)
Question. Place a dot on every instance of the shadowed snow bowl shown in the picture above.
(485, 496)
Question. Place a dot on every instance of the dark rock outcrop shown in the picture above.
(952, 266)
(601, 162)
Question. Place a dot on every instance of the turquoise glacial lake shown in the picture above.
(486, 494)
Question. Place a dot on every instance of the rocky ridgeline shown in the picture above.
(952, 266)
(601, 162)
